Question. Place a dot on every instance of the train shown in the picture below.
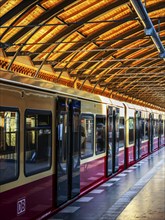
(58, 143)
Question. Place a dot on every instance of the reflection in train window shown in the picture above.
(38, 132)
(9, 144)
(144, 129)
(121, 141)
(87, 135)
(161, 127)
(63, 141)
(121, 132)
(155, 127)
(100, 134)
(131, 130)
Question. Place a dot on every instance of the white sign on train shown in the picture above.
(21, 206)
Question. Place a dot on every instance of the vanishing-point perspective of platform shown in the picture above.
(82, 109)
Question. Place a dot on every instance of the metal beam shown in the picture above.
(147, 23)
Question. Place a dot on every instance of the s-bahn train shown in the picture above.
(57, 143)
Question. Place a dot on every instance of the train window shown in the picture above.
(131, 130)
(62, 140)
(161, 127)
(9, 144)
(87, 135)
(121, 132)
(144, 129)
(100, 134)
(38, 133)
(155, 127)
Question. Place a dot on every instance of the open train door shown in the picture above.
(67, 150)
(113, 141)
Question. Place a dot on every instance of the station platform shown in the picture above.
(136, 193)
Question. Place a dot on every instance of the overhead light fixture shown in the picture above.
(148, 26)
(149, 31)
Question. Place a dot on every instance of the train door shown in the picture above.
(151, 132)
(137, 134)
(113, 141)
(68, 150)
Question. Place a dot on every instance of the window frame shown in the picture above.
(121, 118)
(105, 141)
(82, 117)
(144, 132)
(14, 109)
(161, 127)
(133, 142)
(44, 112)
(155, 128)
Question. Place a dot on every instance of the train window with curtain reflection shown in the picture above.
(9, 144)
(100, 134)
(131, 130)
(87, 135)
(38, 145)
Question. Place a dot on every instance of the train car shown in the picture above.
(144, 132)
(137, 146)
(101, 127)
(57, 143)
(26, 162)
(155, 135)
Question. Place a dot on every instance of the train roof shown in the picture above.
(142, 108)
(26, 81)
(40, 84)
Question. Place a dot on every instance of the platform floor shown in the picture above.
(136, 193)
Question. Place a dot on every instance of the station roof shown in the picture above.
(98, 46)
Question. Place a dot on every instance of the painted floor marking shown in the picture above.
(114, 180)
(85, 199)
(128, 171)
(107, 184)
(97, 191)
(132, 168)
(70, 209)
(122, 174)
